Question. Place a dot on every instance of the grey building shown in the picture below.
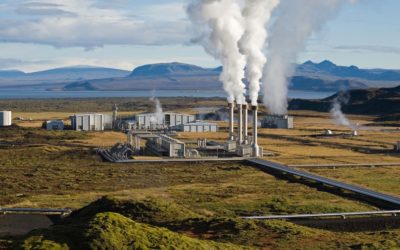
(198, 127)
(91, 122)
(153, 121)
(55, 125)
(278, 121)
(167, 146)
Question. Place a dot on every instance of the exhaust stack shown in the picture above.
(240, 124)
(231, 121)
(256, 148)
(245, 123)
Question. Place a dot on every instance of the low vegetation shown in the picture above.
(192, 205)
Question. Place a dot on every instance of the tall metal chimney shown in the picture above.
(256, 148)
(245, 123)
(240, 124)
(231, 121)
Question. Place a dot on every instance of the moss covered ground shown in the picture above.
(202, 201)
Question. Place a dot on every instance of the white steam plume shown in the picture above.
(257, 14)
(339, 117)
(296, 21)
(225, 28)
(159, 114)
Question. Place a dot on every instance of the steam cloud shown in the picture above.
(225, 28)
(296, 21)
(339, 117)
(257, 14)
(159, 115)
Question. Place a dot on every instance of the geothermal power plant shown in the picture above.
(158, 135)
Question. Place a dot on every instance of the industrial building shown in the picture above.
(198, 127)
(55, 125)
(87, 122)
(165, 145)
(5, 118)
(153, 121)
(278, 121)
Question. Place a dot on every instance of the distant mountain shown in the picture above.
(373, 101)
(80, 72)
(164, 69)
(11, 73)
(309, 76)
(58, 75)
(328, 69)
(162, 76)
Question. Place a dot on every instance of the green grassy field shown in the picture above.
(200, 200)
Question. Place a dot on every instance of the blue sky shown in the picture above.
(41, 34)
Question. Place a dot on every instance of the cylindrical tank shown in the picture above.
(5, 118)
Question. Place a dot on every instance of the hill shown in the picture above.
(373, 101)
(53, 77)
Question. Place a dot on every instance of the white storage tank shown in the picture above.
(5, 118)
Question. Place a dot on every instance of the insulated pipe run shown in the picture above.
(240, 124)
(245, 123)
(256, 149)
(231, 122)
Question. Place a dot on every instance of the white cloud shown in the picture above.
(90, 24)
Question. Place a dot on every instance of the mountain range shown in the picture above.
(323, 76)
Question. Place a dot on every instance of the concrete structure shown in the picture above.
(198, 127)
(231, 121)
(240, 124)
(245, 124)
(256, 149)
(244, 150)
(55, 125)
(278, 121)
(167, 146)
(90, 122)
(5, 118)
(152, 121)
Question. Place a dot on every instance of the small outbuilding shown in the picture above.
(55, 125)
(278, 121)
(5, 118)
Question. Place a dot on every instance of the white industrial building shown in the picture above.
(55, 125)
(5, 118)
(153, 121)
(198, 127)
(278, 121)
(87, 122)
